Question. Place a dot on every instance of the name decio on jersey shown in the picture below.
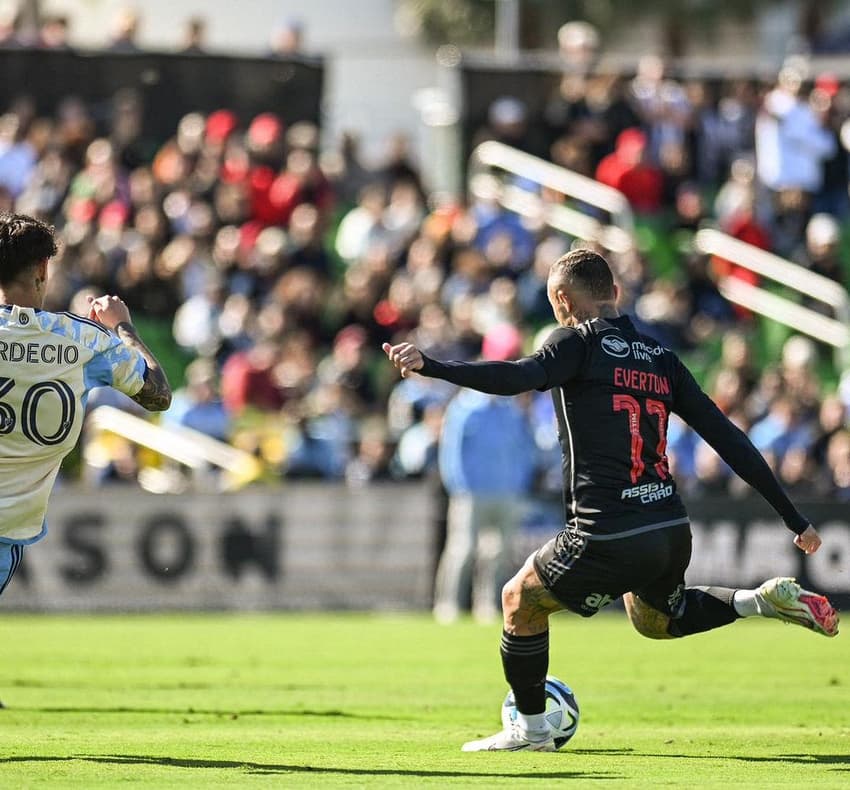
(39, 353)
(648, 492)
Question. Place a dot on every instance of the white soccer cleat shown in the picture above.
(511, 739)
(782, 598)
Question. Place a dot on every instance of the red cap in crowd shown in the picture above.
(828, 83)
(82, 209)
(113, 215)
(265, 130)
(631, 140)
(220, 125)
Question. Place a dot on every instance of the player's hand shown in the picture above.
(808, 541)
(405, 356)
(108, 310)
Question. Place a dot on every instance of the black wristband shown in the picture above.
(427, 368)
(798, 525)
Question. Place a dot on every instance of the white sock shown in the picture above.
(745, 603)
(534, 725)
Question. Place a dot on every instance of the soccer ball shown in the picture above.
(561, 710)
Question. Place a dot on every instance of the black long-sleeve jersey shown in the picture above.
(613, 390)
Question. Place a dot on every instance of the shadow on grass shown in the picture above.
(793, 759)
(341, 714)
(273, 768)
(178, 686)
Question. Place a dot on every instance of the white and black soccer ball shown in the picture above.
(561, 710)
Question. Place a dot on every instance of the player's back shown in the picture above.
(613, 424)
(48, 364)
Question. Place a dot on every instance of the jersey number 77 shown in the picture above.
(653, 407)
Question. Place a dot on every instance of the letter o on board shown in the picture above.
(166, 547)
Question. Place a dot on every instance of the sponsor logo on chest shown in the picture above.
(616, 346)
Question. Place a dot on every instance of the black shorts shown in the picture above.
(586, 575)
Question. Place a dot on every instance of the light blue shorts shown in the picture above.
(11, 555)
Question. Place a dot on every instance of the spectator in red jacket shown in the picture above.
(626, 170)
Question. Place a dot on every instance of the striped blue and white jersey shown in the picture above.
(48, 364)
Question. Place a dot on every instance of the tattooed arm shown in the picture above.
(155, 394)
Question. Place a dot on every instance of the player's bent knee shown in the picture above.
(649, 632)
(647, 621)
(521, 599)
(512, 596)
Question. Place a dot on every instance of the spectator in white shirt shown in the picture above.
(791, 141)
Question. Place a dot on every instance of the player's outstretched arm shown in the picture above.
(494, 378)
(155, 394)
(736, 449)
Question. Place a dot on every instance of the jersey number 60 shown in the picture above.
(29, 411)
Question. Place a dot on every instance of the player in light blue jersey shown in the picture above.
(48, 364)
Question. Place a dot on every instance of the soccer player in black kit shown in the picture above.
(627, 532)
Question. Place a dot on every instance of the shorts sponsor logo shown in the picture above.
(597, 601)
(676, 601)
(615, 346)
(648, 492)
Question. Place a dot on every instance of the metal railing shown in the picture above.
(185, 446)
(490, 157)
(491, 160)
(832, 331)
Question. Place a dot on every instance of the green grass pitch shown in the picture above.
(373, 701)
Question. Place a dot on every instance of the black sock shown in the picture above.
(526, 662)
(705, 608)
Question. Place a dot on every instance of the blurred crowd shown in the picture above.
(52, 31)
(268, 268)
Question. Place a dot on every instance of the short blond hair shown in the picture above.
(586, 271)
